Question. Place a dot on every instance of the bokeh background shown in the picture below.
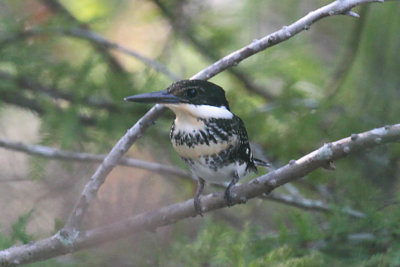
(64, 91)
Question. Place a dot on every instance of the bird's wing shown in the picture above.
(244, 151)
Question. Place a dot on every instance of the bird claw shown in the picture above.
(196, 199)
(197, 206)
(228, 197)
(228, 191)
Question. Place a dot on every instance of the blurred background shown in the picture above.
(60, 87)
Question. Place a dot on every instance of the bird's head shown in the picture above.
(197, 98)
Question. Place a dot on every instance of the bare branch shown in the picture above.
(66, 241)
(51, 153)
(287, 32)
(308, 204)
(12, 180)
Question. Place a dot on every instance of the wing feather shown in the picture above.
(244, 151)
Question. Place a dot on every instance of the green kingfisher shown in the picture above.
(210, 139)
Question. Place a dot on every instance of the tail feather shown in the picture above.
(261, 163)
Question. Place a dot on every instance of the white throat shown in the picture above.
(187, 115)
(200, 111)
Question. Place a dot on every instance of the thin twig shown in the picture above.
(12, 180)
(57, 7)
(51, 153)
(18, 99)
(308, 204)
(55, 93)
(94, 38)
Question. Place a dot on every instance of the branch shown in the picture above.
(93, 37)
(110, 161)
(57, 7)
(31, 85)
(308, 204)
(51, 153)
(65, 242)
(18, 99)
(335, 8)
(91, 188)
(97, 38)
(210, 53)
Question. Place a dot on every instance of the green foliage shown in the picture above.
(19, 229)
(221, 245)
(5, 242)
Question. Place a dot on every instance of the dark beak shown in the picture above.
(162, 97)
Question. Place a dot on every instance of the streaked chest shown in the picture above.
(201, 139)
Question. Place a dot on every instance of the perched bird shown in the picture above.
(210, 139)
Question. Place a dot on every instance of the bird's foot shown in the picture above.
(197, 206)
(196, 199)
(228, 191)
(228, 196)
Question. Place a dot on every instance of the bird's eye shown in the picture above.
(191, 93)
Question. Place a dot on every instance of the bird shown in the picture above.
(211, 140)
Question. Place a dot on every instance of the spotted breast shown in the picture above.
(212, 149)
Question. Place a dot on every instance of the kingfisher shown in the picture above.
(210, 139)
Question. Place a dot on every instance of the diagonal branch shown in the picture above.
(90, 191)
(97, 38)
(287, 32)
(110, 161)
(57, 7)
(94, 38)
(63, 242)
(210, 53)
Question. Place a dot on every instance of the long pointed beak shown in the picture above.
(162, 97)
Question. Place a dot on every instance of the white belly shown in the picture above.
(222, 175)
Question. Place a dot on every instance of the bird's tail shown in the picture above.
(261, 163)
